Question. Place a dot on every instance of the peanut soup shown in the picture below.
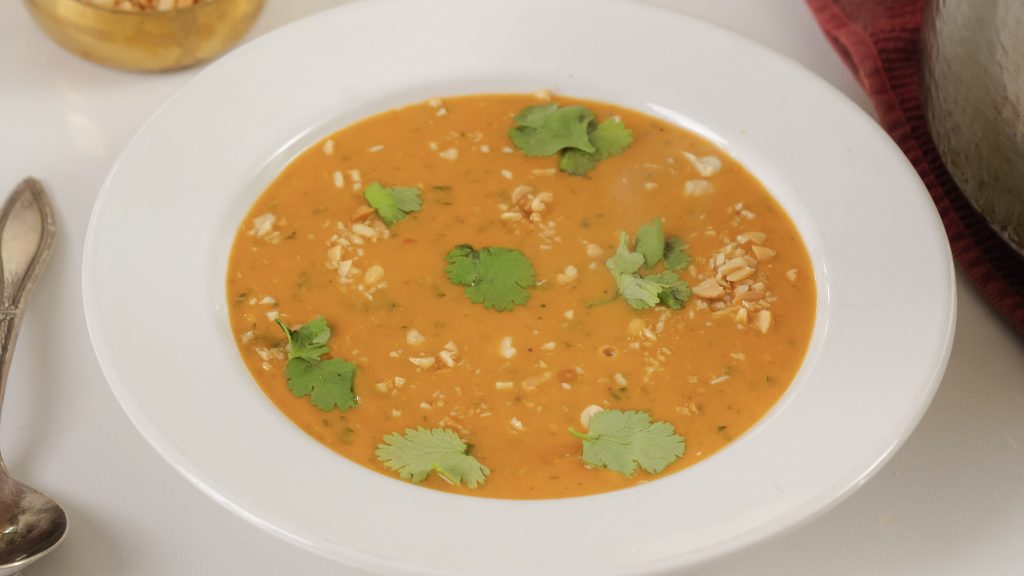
(520, 296)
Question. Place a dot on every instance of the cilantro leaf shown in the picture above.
(328, 383)
(638, 292)
(650, 241)
(309, 342)
(642, 292)
(624, 261)
(621, 441)
(673, 291)
(577, 162)
(665, 288)
(611, 137)
(393, 204)
(675, 256)
(495, 277)
(417, 453)
(546, 129)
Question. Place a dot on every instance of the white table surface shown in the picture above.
(951, 501)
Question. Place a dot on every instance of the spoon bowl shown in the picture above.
(31, 524)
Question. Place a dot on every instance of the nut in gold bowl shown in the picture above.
(146, 35)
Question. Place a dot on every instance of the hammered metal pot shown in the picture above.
(973, 90)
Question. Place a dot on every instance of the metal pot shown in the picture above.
(973, 91)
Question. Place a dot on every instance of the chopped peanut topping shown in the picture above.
(751, 237)
(373, 276)
(707, 166)
(588, 413)
(697, 187)
(741, 316)
(568, 275)
(709, 290)
(505, 348)
(414, 338)
(762, 254)
(422, 361)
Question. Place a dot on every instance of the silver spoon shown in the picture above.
(31, 524)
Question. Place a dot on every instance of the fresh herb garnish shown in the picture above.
(642, 292)
(650, 242)
(621, 441)
(309, 341)
(393, 204)
(328, 383)
(666, 287)
(544, 130)
(498, 278)
(611, 137)
(675, 255)
(417, 453)
(548, 129)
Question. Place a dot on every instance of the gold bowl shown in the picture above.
(150, 41)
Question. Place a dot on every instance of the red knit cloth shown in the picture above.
(880, 41)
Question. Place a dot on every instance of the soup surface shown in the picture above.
(511, 383)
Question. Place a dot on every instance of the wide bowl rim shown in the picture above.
(809, 508)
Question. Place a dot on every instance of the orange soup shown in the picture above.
(520, 296)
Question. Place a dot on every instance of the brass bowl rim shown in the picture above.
(137, 13)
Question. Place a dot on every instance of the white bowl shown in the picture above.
(162, 228)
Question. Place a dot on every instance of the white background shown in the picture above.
(950, 502)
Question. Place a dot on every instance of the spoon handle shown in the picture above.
(27, 228)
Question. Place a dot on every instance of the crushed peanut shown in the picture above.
(707, 166)
(505, 348)
(588, 413)
(262, 225)
(373, 275)
(447, 358)
(762, 254)
(697, 187)
(741, 316)
(568, 275)
(751, 238)
(422, 362)
(708, 289)
(414, 337)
